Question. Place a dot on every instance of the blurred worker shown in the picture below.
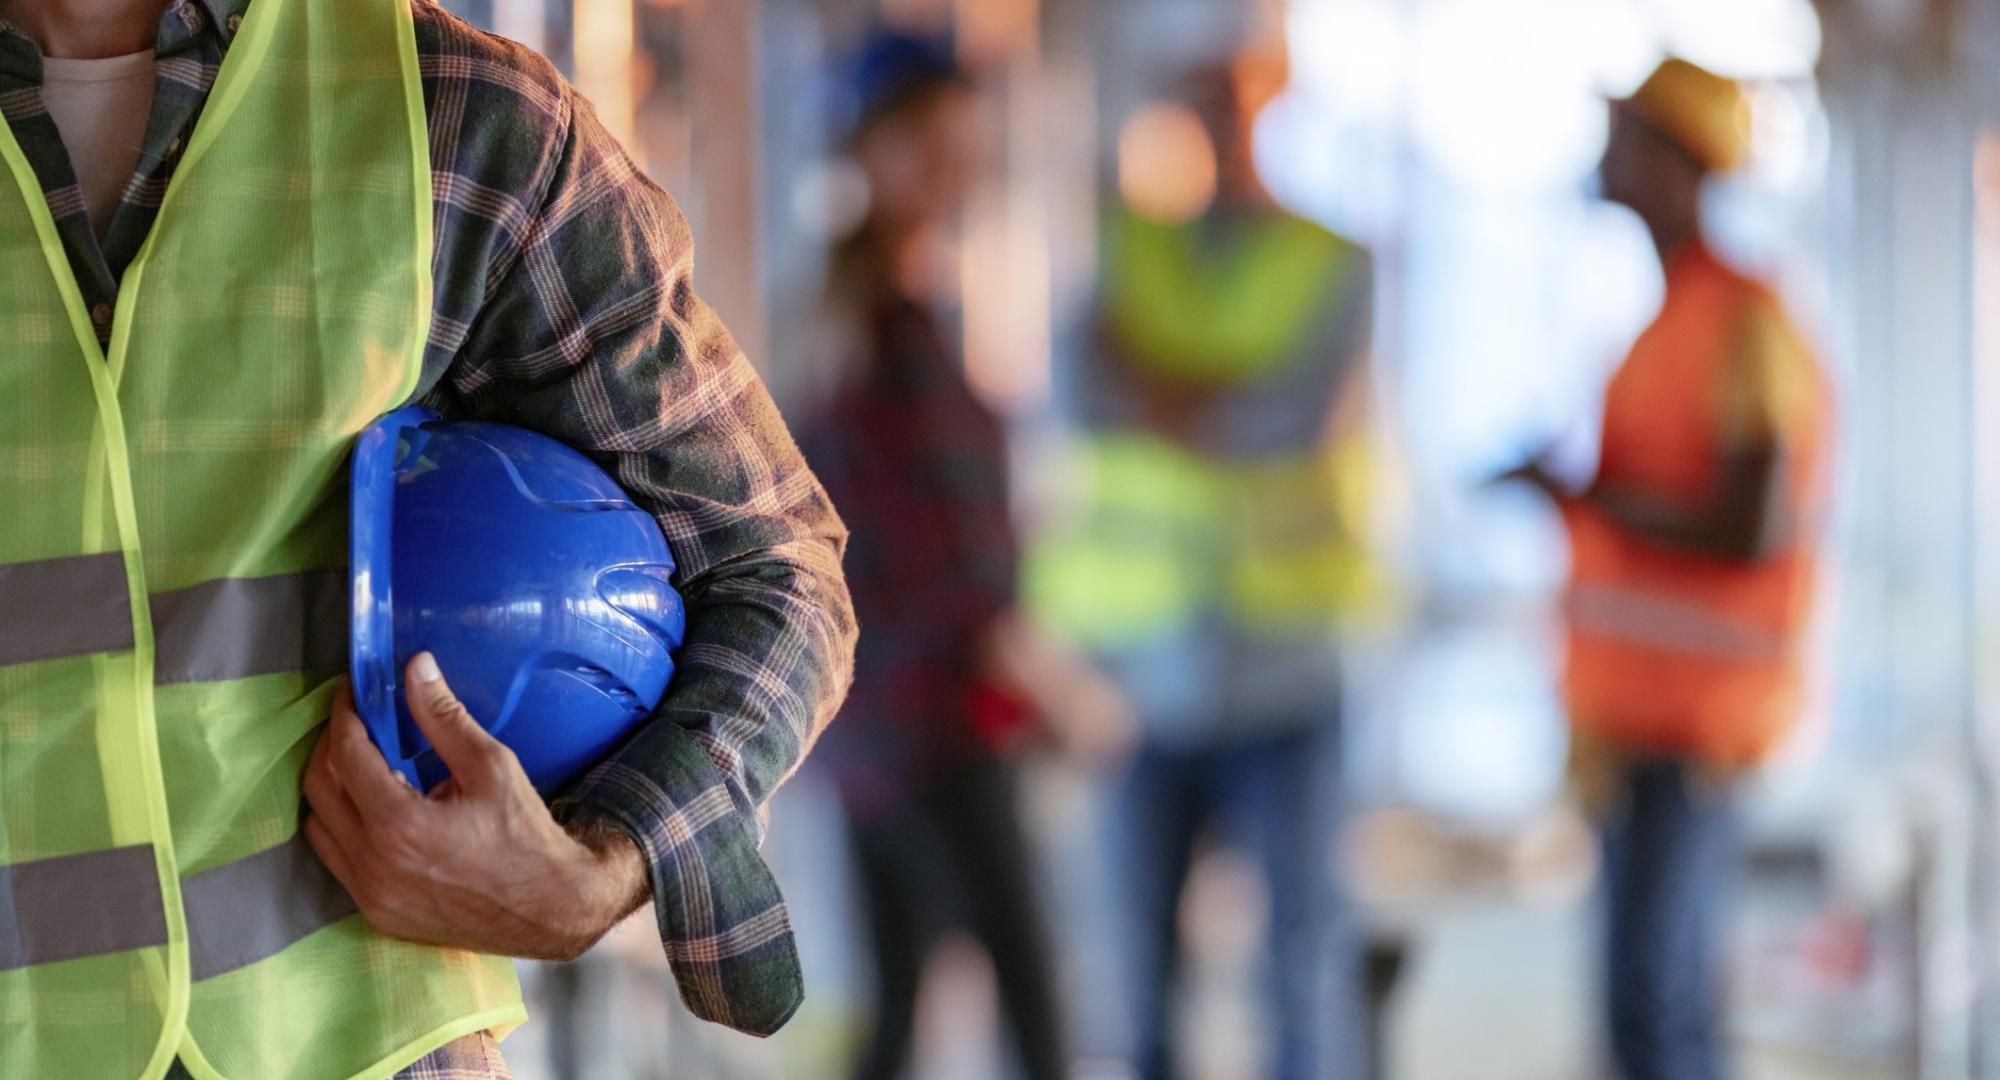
(947, 675)
(376, 204)
(1210, 555)
(1693, 576)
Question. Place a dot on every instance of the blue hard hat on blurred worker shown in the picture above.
(542, 590)
(888, 70)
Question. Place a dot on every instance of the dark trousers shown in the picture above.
(1277, 798)
(1669, 859)
(957, 855)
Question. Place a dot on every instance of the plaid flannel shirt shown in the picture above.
(563, 304)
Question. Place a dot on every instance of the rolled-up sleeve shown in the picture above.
(594, 335)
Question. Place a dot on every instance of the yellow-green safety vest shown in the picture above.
(1159, 536)
(1185, 309)
(172, 598)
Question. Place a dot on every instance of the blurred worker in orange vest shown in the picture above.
(1693, 576)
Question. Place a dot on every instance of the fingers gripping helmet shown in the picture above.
(544, 593)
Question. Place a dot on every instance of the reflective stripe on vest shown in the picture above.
(1666, 622)
(73, 606)
(213, 632)
(237, 628)
(1161, 537)
(78, 906)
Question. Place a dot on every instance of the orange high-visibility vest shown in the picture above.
(1676, 652)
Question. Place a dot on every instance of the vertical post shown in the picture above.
(723, 72)
(1910, 276)
(1980, 45)
(1005, 261)
(1986, 593)
(603, 34)
(526, 21)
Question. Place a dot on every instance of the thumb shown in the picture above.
(473, 756)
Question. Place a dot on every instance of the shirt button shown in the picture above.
(174, 148)
(101, 315)
(235, 23)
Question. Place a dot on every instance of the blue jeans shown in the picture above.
(1669, 857)
(1276, 797)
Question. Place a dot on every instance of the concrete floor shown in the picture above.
(1502, 992)
(1495, 993)
(1499, 989)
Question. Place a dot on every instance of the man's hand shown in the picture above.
(479, 864)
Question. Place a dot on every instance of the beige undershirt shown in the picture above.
(101, 106)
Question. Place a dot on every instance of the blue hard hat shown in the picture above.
(884, 72)
(544, 593)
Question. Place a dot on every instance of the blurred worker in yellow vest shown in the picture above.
(1208, 555)
(1693, 575)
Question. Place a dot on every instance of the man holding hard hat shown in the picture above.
(1693, 576)
(232, 234)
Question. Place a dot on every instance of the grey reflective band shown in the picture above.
(252, 909)
(237, 628)
(217, 631)
(75, 906)
(55, 608)
(1671, 623)
(106, 902)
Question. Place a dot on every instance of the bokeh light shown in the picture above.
(1166, 163)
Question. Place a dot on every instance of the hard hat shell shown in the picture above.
(544, 593)
(884, 72)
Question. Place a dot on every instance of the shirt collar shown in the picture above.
(187, 24)
(190, 23)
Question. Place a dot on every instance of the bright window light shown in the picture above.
(1508, 95)
(1745, 39)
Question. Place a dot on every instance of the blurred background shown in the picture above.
(1456, 141)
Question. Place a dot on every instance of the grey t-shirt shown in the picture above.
(101, 106)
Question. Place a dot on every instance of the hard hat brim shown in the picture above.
(373, 664)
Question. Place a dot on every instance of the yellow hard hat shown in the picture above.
(1707, 114)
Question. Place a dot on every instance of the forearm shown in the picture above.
(768, 656)
(766, 662)
(1747, 518)
(622, 862)
(593, 335)
(1668, 524)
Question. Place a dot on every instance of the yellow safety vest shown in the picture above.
(1223, 315)
(1160, 536)
(172, 599)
